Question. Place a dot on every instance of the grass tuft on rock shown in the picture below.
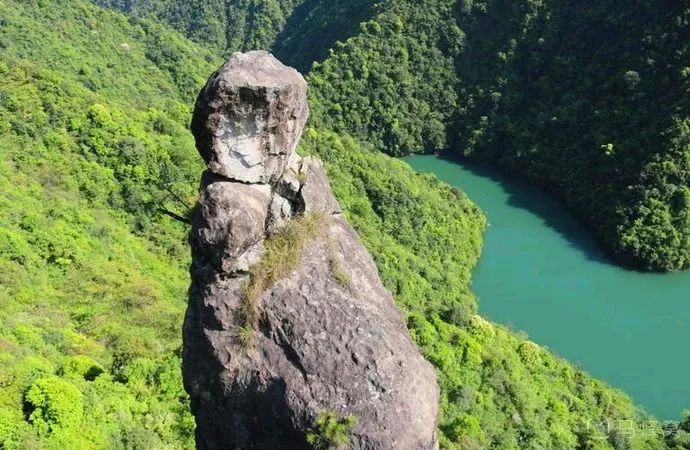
(335, 266)
(245, 336)
(282, 253)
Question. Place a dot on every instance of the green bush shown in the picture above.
(54, 404)
(282, 253)
(81, 366)
(330, 431)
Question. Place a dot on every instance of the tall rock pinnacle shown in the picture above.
(290, 339)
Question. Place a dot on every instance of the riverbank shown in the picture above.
(543, 273)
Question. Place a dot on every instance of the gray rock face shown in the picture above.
(329, 337)
(249, 117)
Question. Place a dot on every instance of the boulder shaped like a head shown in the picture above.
(249, 117)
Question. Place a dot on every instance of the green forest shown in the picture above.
(589, 101)
(97, 165)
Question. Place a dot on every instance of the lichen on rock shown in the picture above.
(268, 230)
(249, 117)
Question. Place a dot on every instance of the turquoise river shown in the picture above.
(541, 272)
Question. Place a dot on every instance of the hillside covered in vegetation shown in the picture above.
(588, 101)
(98, 171)
(297, 31)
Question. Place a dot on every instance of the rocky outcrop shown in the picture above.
(288, 323)
(249, 118)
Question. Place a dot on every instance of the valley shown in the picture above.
(99, 175)
(542, 273)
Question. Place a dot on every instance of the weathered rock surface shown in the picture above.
(249, 117)
(325, 341)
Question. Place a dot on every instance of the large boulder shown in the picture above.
(249, 117)
(288, 323)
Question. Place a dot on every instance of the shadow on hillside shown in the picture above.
(549, 208)
(315, 26)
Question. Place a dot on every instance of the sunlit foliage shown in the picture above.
(96, 161)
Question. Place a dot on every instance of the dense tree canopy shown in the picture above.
(297, 31)
(590, 101)
(96, 159)
(94, 142)
(593, 102)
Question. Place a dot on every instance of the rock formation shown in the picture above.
(288, 322)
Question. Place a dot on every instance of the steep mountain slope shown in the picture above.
(96, 161)
(595, 105)
(298, 31)
(93, 139)
(589, 101)
(200, 20)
